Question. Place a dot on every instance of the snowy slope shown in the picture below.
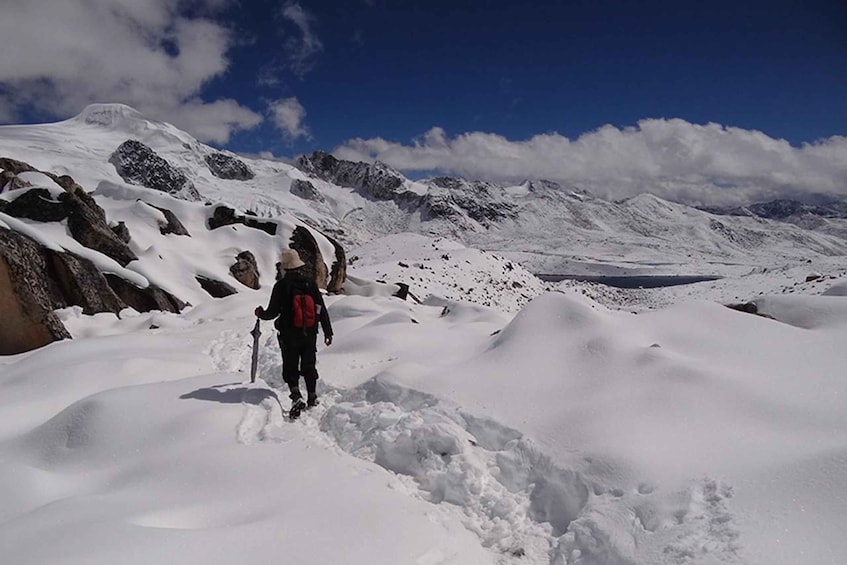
(555, 426)
(567, 434)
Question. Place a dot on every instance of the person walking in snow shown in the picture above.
(297, 304)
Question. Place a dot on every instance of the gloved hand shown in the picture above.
(328, 340)
(258, 311)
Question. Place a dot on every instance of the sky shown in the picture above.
(717, 93)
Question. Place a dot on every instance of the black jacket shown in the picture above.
(280, 308)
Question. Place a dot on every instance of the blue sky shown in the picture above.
(480, 88)
(394, 69)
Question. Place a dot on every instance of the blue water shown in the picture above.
(632, 281)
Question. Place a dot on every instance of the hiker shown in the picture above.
(297, 304)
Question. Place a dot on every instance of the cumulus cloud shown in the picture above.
(675, 159)
(60, 56)
(287, 115)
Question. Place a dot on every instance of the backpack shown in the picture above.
(305, 312)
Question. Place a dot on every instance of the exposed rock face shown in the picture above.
(451, 198)
(228, 167)
(10, 181)
(138, 164)
(378, 180)
(245, 270)
(37, 204)
(225, 216)
(172, 223)
(784, 209)
(338, 271)
(216, 289)
(122, 232)
(26, 296)
(14, 167)
(87, 224)
(83, 285)
(483, 202)
(86, 220)
(305, 190)
(304, 243)
(144, 299)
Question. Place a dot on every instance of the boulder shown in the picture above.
(304, 243)
(228, 167)
(305, 190)
(215, 288)
(172, 224)
(138, 164)
(87, 224)
(15, 167)
(37, 204)
(122, 232)
(338, 271)
(86, 220)
(245, 270)
(27, 296)
(225, 216)
(144, 299)
(81, 284)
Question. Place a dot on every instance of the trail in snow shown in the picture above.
(523, 506)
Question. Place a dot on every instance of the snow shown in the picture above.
(489, 419)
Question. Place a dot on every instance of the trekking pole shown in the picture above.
(255, 332)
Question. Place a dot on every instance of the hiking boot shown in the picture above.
(312, 402)
(296, 408)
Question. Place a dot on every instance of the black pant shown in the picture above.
(299, 358)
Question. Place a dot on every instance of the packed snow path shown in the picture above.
(523, 506)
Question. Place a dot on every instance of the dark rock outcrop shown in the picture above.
(172, 225)
(87, 224)
(225, 216)
(15, 167)
(228, 167)
(83, 285)
(138, 164)
(86, 220)
(338, 271)
(306, 246)
(144, 299)
(27, 297)
(305, 190)
(377, 180)
(215, 288)
(37, 204)
(122, 232)
(245, 270)
(483, 202)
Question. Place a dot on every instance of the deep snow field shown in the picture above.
(449, 432)
(490, 418)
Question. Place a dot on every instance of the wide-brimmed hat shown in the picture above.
(290, 259)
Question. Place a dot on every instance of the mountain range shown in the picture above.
(547, 227)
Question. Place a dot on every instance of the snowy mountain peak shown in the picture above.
(113, 116)
(128, 122)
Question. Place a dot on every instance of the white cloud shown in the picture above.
(60, 56)
(699, 164)
(303, 50)
(287, 115)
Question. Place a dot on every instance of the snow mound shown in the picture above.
(808, 312)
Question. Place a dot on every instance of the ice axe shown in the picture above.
(255, 332)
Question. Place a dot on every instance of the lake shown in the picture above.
(632, 281)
